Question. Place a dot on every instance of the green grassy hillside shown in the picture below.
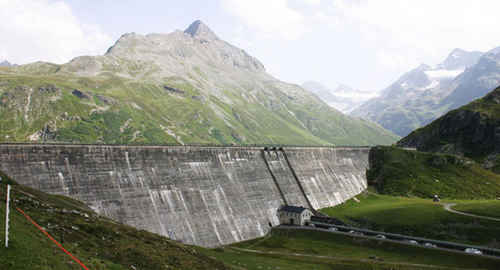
(98, 242)
(118, 110)
(103, 244)
(399, 172)
(488, 208)
(169, 88)
(417, 217)
(298, 249)
(471, 131)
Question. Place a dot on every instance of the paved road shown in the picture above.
(448, 207)
(183, 146)
(441, 245)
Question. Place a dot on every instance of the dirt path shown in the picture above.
(448, 207)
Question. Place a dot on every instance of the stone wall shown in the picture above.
(205, 196)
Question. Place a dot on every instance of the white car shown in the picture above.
(430, 245)
(413, 242)
(333, 229)
(473, 251)
(380, 236)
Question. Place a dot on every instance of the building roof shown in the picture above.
(293, 209)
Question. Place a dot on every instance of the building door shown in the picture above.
(291, 221)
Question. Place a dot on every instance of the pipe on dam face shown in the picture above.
(273, 176)
(206, 196)
(297, 180)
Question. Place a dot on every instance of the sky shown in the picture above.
(366, 44)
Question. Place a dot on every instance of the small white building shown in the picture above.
(294, 215)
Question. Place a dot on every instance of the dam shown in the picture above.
(206, 196)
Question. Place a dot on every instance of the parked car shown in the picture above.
(473, 251)
(412, 242)
(355, 232)
(380, 236)
(333, 229)
(429, 245)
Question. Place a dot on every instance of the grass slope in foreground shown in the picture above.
(98, 242)
(394, 171)
(304, 249)
(416, 217)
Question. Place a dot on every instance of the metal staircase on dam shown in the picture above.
(294, 174)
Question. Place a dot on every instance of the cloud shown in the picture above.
(268, 18)
(402, 29)
(401, 34)
(46, 30)
(312, 2)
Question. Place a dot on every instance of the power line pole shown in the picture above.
(7, 218)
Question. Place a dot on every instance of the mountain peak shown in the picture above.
(456, 53)
(200, 30)
(5, 63)
(494, 51)
(458, 50)
(461, 59)
(423, 67)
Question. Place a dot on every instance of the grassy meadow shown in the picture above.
(417, 217)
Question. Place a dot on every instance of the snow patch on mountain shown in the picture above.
(443, 73)
(433, 84)
(340, 97)
(422, 94)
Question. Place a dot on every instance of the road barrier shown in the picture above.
(267, 146)
(400, 237)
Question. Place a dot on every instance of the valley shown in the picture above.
(418, 217)
(128, 144)
(298, 249)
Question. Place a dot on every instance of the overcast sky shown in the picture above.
(366, 44)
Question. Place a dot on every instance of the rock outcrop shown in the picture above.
(201, 31)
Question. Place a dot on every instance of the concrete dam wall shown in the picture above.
(205, 196)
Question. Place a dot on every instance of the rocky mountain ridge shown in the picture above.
(458, 59)
(183, 87)
(426, 92)
(476, 81)
(472, 131)
(5, 63)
